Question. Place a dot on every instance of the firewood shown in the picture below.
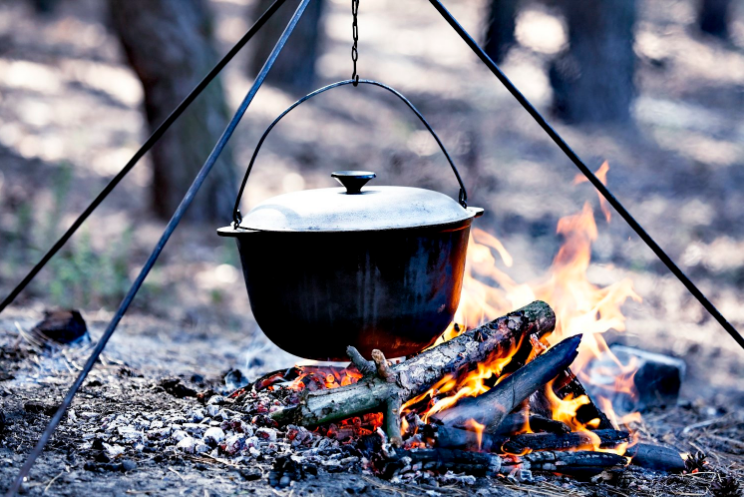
(514, 422)
(492, 407)
(417, 374)
(441, 460)
(563, 441)
(455, 438)
(656, 457)
(580, 463)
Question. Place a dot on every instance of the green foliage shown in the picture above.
(80, 275)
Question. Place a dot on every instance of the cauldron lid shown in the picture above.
(356, 208)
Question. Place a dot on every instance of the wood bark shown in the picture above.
(169, 44)
(714, 17)
(502, 16)
(416, 375)
(294, 69)
(492, 407)
(593, 80)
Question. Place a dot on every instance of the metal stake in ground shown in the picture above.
(681, 276)
(172, 224)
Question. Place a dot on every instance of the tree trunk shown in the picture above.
(713, 17)
(500, 29)
(294, 69)
(169, 45)
(593, 79)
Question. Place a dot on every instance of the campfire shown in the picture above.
(503, 398)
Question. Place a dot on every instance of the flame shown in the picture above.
(601, 174)
(581, 307)
(478, 429)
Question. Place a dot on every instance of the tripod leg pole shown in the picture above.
(172, 224)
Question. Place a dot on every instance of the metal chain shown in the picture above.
(355, 35)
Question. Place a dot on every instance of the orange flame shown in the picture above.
(581, 308)
(478, 429)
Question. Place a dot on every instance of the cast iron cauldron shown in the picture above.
(376, 267)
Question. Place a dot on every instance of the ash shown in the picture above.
(167, 424)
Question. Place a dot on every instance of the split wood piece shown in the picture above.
(455, 438)
(492, 407)
(516, 422)
(416, 375)
(518, 444)
(656, 457)
(565, 384)
(579, 464)
(440, 460)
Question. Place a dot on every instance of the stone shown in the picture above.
(128, 465)
(656, 382)
(187, 445)
(265, 433)
(213, 436)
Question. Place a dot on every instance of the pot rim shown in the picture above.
(474, 212)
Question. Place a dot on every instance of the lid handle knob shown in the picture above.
(353, 181)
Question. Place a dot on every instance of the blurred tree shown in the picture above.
(713, 17)
(593, 79)
(502, 17)
(294, 70)
(169, 44)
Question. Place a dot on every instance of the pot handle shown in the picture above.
(463, 198)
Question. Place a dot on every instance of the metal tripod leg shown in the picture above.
(681, 276)
(172, 224)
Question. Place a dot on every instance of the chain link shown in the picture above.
(355, 35)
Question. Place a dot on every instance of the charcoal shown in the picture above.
(176, 388)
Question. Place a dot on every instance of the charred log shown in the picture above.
(564, 441)
(581, 463)
(455, 438)
(416, 375)
(491, 408)
(441, 460)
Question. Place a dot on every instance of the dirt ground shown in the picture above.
(70, 117)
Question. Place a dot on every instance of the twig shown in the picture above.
(52, 481)
(367, 368)
(177, 473)
(383, 368)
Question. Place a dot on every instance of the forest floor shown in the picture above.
(70, 117)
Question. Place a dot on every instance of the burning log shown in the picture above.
(516, 422)
(441, 460)
(390, 386)
(455, 438)
(564, 441)
(580, 463)
(490, 409)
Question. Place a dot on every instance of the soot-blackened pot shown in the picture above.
(373, 267)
